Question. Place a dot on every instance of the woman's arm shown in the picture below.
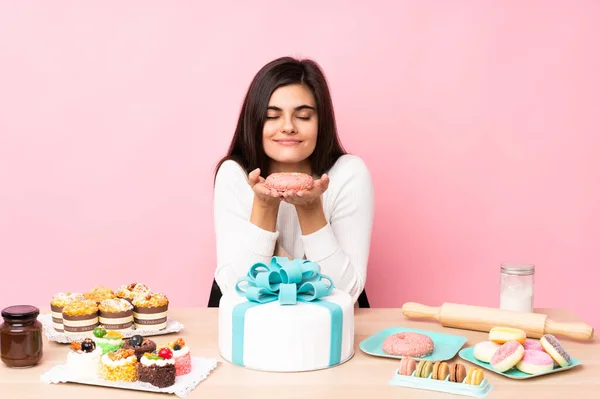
(245, 229)
(341, 246)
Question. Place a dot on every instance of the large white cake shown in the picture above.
(274, 337)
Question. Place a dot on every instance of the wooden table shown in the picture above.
(364, 376)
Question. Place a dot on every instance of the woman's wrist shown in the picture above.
(311, 216)
(264, 214)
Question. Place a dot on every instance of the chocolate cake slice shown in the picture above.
(140, 345)
(157, 370)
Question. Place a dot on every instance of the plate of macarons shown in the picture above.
(400, 342)
(510, 353)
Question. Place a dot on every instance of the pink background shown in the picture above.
(479, 123)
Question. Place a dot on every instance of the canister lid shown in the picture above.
(20, 312)
(519, 269)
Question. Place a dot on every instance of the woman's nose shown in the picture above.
(288, 126)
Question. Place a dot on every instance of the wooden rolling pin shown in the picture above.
(479, 318)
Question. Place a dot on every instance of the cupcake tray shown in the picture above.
(201, 368)
(60, 337)
(456, 388)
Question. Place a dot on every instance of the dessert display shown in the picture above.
(130, 291)
(108, 341)
(80, 317)
(140, 345)
(58, 302)
(83, 359)
(116, 314)
(150, 311)
(158, 369)
(119, 365)
(408, 344)
(99, 293)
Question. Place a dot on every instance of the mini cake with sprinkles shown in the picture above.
(150, 311)
(57, 303)
(100, 293)
(116, 314)
(120, 365)
(181, 354)
(108, 341)
(157, 369)
(140, 345)
(83, 360)
(129, 292)
(80, 317)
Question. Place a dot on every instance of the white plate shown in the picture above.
(201, 368)
(53, 335)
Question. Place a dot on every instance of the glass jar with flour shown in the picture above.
(516, 286)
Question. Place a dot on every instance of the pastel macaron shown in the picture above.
(424, 368)
(407, 366)
(555, 350)
(507, 356)
(458, 372)
(483, 351)
(535, 362)
(282, 182)
(475, 376)
(501, 335)
(408, 344)
(441, 370)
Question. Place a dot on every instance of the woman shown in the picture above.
(287, 124)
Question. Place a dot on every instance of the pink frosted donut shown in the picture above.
(507, 356)
(535, 362)
(532, 344)
(289, 181)
(408, 344)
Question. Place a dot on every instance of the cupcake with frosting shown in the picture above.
(129, 292)
(83, 359)
(100, 293)
(116, 314)
(57, 303)
(150, 311)
(80, 317)
(120, 365)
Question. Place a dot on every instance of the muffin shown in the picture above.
(158, 370)
(100, 293)
(108, 341)
(129, 292)
(80, 317)
(57, 303)
(120, 365)
(181, 354)
(150, 311)
(116, 314)
(140, 345)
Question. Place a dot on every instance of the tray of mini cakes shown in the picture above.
(138, 363)
(132, 309)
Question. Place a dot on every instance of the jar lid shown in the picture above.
(519, 269)
(20, 312)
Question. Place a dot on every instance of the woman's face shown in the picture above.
(290, 129)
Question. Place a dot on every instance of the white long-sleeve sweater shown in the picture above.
(341, 247)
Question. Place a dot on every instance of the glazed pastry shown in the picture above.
(532, 344)
(475, 376)
(458, 372)
(483, 351)
(282, 182)
(507, 356)
(120, 365)
(408, 344)
(441, 370)
(535, 362)
(407, 366)
(501, 335)
(555, 350)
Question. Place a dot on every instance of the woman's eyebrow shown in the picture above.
(298, 108)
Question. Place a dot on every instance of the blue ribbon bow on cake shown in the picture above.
(289, 282)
